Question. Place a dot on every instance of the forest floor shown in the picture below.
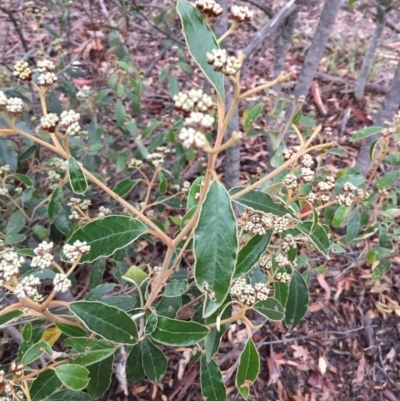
(348, 345)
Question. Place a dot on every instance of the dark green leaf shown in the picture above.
(200, 40)
(248, 369)
(15, 223)
(195, 188)
(178, 332)
(35, 352)
(69, 395)
(340, 215)
(120, 302)
(106, 235)
(168, 306)
(77, 178)
(100, 377)
(250, 253)
(45, 384)
(271, 309)
(23, 178)
(176, 288)
(125, 186)
(211, 380)
(215, 247)
(70, 330)
(154, 361)
(297, 302)
(319, 237)
(74, 377)
(388, 180)
(10, 316)
(162, 188)
(380, 270)
(119, 112)
(14, 239)
(148, 130)
(151, 324)
(55, 204)
(100, 291)
(259, 201)
(134, 364)
(353, 226)
(109, 322)
(27, 332)
(88, 351)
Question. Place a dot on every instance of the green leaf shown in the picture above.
(252, 116)
(8, 155)
(297, 302)
(178, 333)
(259, 201)
(74, 377)
(87, 351)
(148, 130)
(15, 223)
(55, 204)
(135, 275)
(100, 377)
(162, 188)
(168, 306)
(318, 237)
(195, 188)
(119, 112)
(388, 180)
(70, 330)
(10, 316)
(211, 380)
(379, 253)
(14, 239)
(27, 332)
(45, 384)
(215, 246)
(109, 322)
(353, 226)
(271, 309)
(77, 178)
(250, 253)
(154, 361)
(200, 41)
(372, 149)
(69, 395)
(125, 186)
(380, 270)
(151, 324)
(248, 369)
(365, 133)
(340, 215)
(100, 291)
(106, 235)
(176, 288)
(23, 178)
(35, 352)
(134, 364)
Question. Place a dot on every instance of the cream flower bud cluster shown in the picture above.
(59, 163)
(22, 71)
(69, 121)
(265, 261)
(156, 159)
(47, 79)
(307, 160)
(283, 277)
(16, 369)
(194, 100)
(361, 194)
(61, 283)
(44, 66)
(27, 287)
(104, 211)
(135, 163)
(9, 266)
(345, 200)
(4, 169)
(349, 187)
(219, 59)
(281, 260)
(307, 174)
(200, 120)
(74, 251)
(288, 153)
(15, 106)
(49, 122)
(3, 191)
(291, 181)
(190, 137)
(186, 186)
(43, 257)
(241, 14)
(384, 192)
(209, 8)
(288, 243)
(246, 293)
(327, 185)
(257, 223)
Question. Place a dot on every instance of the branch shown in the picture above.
(267, 10)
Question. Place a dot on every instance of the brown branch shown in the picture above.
(267, 10)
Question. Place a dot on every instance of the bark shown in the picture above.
(386, 113)
(316, 50)
(368, 58)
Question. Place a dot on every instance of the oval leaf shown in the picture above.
(154, 361)
(45, 384)
(74, 377)
(248, 369)
(134, 364)
(215, 246)
(106, 235)
(211, 380)
(55, 204)
(125, 186)
(69, 395)
(297, 303)
(365, 133)
(178, 332)
(100, 377)
(340, 215)
(271, 309)
(77, 179)
(200, 41)
(109, 322)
